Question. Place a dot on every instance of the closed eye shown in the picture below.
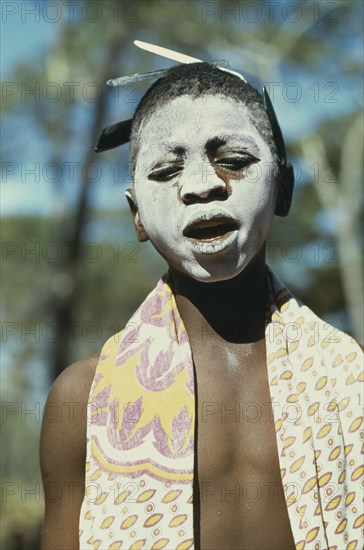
(236, 163)
(164, 174)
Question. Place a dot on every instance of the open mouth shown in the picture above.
(209, 230)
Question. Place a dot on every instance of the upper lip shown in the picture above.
(198, 219)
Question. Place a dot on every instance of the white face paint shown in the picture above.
(205, 186)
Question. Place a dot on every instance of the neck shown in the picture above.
(232, 310)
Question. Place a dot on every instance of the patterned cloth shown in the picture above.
(140, 440)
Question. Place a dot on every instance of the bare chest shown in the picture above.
(238, 472)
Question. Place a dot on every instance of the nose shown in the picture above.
(202, 185)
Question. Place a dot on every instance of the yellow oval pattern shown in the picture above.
(107, 522)
(185, 545)
(307, 364)
(128, 522)
(152, 520)
(332, 405)
(357, 473)
(307, 434)
(178, 520)
(323, 480)
(289, 441)
(294, 346)
(334, 503)
(159, 544)
(101, 498)
(146, 495)
(311, 341)
(342, 476)
(116, 545)
(338, 360)
(286, 375)
(281, 353)
(311, 535)
(138, 544)
(358, 522)
(291, 498)
(297, 464)
(278, 424)
(350, 380)
(122, 497)
(355, 424)
(324, 431)
(318, 510)
(344, 403)
(313, 408)
(321, 383)
(349, 498)
(334, 453)
(347, 449)
(341, 527)
(308, 486)
(171, 496)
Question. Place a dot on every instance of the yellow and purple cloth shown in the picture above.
(141, 429)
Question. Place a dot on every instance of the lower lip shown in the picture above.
(213, 246)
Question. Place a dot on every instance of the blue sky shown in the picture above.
(22, 36)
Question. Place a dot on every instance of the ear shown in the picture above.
(285, 181)
(140, 231)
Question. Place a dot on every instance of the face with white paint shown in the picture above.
(205, 189)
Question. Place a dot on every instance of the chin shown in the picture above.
(213, 273)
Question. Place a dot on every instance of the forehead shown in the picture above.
(192, 121)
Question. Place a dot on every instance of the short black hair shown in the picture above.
(196, 80)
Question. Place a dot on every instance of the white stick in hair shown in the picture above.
(176, 56)
(165, 52)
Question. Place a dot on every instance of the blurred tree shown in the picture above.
(342, 196)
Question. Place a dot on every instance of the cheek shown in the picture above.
(257, 209)
(158, 215)
(255, 201)
(265, 211)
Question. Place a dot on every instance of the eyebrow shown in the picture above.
(212, 144)
(222, 139)
(168, 147)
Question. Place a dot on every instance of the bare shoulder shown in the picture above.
(75, 381)
(63, 453)
(64, 418)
